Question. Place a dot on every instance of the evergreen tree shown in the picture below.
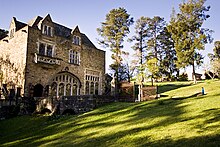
(155, 27)
(140, 45)
(187, 32)
(214, 61)
(168, 54)
(113, 31)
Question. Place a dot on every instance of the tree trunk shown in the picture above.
(152, 81)
(116, 84)
(194, 73)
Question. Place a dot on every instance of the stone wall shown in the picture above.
(22, 49)
(13, 59)
(90, 58)
(78, 104)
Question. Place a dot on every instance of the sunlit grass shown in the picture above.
(190, 120)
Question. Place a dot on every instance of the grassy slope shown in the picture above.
(184, 120)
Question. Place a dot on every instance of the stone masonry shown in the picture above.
(45, 58)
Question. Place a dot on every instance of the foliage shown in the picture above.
(216, 51)
(189, 121)
(140, 46)
(168, 54)
(214, 69)
(183, 77)
(113, 31)
(155, 27)
(187, 32)
(3, 33)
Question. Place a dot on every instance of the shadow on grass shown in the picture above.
(198, 94)
(169, 87)
(90, 129)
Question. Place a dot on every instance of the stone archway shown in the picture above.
(38, 90)
(65, 84)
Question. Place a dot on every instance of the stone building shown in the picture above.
(44, 58)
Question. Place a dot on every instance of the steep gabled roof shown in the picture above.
(60, 30)
(35, 21)
(48, 17)
(19, 25)
(76, 30)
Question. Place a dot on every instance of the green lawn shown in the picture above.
(178, 118)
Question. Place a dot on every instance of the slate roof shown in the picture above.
(19, 25)
(86, 41)
(62, 31)
(35, 21)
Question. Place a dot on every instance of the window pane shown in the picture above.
(68, 89)
(61, 89)
(77, 40)
(49, 31)
(96, 88)
(54, 89)
(45, 29)
(42, 49)
(49, 50)
(87, 87)
(92, 88)
(74, 90)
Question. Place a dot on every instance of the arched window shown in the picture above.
(87, 87)
(67, 85)
(54, 89)
(38, 90)
(96, 88)
(68, 89)
(61, 89)
(92, 88)
(74, 90)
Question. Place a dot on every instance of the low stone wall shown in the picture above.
(77, 104)
(8, 108)
(6, 102)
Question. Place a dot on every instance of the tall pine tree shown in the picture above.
(113, 31)
(155, 27)
(168, 54)
(140, 46)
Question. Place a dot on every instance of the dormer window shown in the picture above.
(46, 49)
(47, 30)
(76, 40)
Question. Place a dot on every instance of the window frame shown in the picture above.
(74, 57)
(46, 49)
(76, 40)
(47, 30)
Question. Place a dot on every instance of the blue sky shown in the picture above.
(88, 14)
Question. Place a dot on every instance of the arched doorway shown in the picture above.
(65, 84)
(38, 90)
